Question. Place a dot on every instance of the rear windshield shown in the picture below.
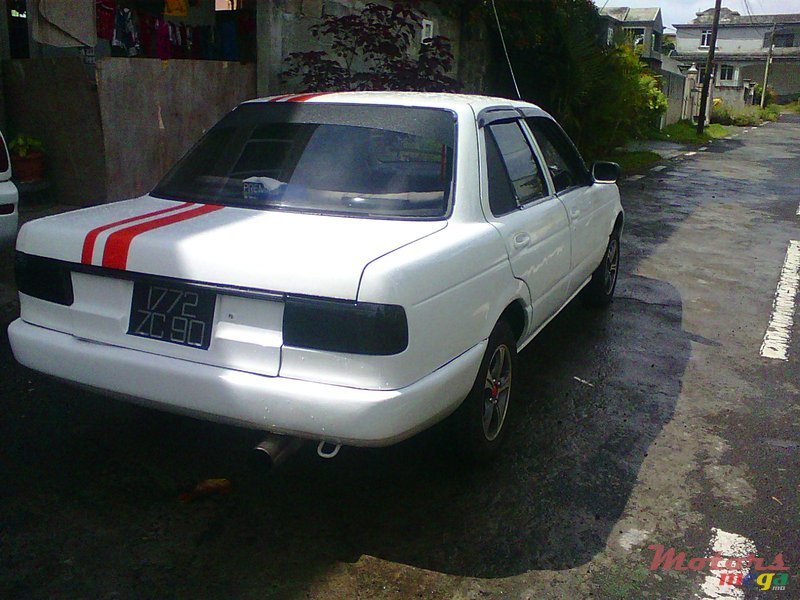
(381, 161)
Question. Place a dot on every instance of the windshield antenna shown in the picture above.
(505, 50)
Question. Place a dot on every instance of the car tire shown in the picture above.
(482, 420)
(600, 289)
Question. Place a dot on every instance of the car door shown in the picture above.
(585, 203)
(531, 219)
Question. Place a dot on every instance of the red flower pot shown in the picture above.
(28, 168)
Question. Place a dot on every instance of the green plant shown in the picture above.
(769, 98)
(744, 117)
(372, 50)
(770, 113)
(685, 132)
(23, 145)
(721, 113)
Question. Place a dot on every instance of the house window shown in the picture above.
(702, 73)
(726, 73)
(610, 37)
(705, 38)
(636, 34)
(784, 40)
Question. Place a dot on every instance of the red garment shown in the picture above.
(163, 44)
(105, 11)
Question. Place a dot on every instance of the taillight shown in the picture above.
(43, 278)
(3, 155)
(350, 327)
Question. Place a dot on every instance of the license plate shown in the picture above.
(172, 313)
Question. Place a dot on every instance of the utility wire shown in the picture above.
(505, 50)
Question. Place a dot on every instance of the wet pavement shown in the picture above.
(653, 422)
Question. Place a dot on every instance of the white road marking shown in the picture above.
(798, 211)
(729, 545)
(583, 381)
(659, 168)
(704, 148)
(690, 153)
(779, 331)
(635, 177)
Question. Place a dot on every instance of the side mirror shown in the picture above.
(606, 172)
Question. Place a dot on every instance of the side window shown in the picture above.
(563, 161)
(501, 194)
(514, 175)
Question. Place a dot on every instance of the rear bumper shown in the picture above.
(312, 410)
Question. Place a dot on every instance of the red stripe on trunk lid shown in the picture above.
(118, 244)
(91, 237)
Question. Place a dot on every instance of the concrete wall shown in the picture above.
(784, 77)
(153, 111)
(732, 40)
(732, 96)
(674, 87)
(54, 99)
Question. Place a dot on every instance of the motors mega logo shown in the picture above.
(742, 571)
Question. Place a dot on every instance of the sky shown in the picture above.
(683, 11)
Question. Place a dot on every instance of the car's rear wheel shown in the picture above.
(482, 420)
(600, 290)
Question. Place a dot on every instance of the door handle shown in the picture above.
(521, 240)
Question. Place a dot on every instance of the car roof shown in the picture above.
(418, 99)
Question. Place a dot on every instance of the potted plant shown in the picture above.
(27, 157)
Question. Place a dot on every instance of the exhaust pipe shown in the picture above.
(275, 449)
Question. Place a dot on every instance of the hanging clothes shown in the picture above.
(126, 32)
(106, 12)
(147, 34)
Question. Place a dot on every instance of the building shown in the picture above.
(118, 91)
(743, 43)
(643, 25)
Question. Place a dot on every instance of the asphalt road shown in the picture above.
(655, 422)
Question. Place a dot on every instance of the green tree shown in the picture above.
(602, 95)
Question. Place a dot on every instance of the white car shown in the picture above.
(345, 267)
(9, 198)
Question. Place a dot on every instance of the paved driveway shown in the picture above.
(655, 423)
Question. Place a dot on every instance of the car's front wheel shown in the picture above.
(482, 420)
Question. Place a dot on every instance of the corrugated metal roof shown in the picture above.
(643, 14)
(731, 17)
(617, 12)
(627, 14)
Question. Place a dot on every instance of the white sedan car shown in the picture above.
(349, 268)
(9, 198)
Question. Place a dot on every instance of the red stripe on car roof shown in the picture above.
(91, 237)
(279, 98)
(304, 97)
(115, 255)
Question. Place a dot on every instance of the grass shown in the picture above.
(685, 132)
(631, 162)
(792, 106)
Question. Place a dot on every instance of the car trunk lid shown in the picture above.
(248, 260)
